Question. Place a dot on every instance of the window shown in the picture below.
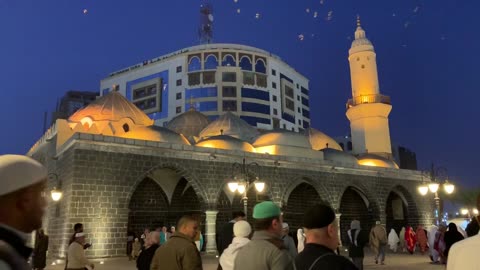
(289, 91)
(179, 82)
(274, 72)
(147, 103)
(229, 105)
(260, 66)
(299, 121)
(179, 69)
(194, 78)
(305, 101)
(306, 113)
(298, 97)
(229, 91)
(274, 85)
(200, 92)
(228, 61)
(261, 80)
(105, 91)
(248, 78)
(252, 120)
(145, 91)
(211, 62)
(125, 127)
(349, 146)
(289, 104)
(275, 112)
(203, 106)
(194, 64)
(274, 98)
(209, 77)
(255, 107)
(229, 77)
(297, 86)
(304, 91)
(306, 124)
(179, 96)
(254, 93)
(298, 109)
(179, 109)
(245, 63)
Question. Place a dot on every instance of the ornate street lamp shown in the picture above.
(438, 177)
(56, 193)
(243, 183)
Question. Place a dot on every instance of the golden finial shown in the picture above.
(358, 21)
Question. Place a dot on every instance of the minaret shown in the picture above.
(368, 110)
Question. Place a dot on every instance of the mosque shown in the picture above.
(119, 171)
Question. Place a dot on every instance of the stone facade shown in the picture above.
(106, 187)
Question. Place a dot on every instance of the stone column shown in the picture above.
(210, 225)
(338, 215)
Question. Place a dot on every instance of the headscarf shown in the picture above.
(410, 239)
(355, 225)
(393, 239)
(301, 240)
(451, 237)
(431, 235)
(421, 238)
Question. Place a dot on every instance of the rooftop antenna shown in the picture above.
(205, 31)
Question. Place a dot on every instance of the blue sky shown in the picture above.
(426, 52)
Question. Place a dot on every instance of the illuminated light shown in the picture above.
(433, 187)
(87, 122)
(53, 263)
(56, 194)
(423, 190)
(101, 262)
(368, 163)
(232, 186)
(464, 211)
(260, 186)
(364, 99)
(475, 211)
(449, 188)
(216, 256)
(241, 188)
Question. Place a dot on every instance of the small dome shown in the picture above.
(320, 140)
(226, 142)
(112, 107)
(338, 156)
(282, 137)
(232, 125)
(190, 123)
(155, 133)
(376, 161)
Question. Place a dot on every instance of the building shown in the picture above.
(71, 102)
(216, 78)
(119, 171)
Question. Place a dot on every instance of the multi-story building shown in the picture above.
(71, 102)
(215, 78)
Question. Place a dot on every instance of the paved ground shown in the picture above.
(393, 261)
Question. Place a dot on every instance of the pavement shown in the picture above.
(392, 261)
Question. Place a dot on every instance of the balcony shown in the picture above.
(368, 99)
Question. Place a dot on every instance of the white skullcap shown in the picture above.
(241, 228)
(17, 172)
(77, 235)
(285, 225)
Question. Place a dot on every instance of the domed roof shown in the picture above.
(232, 125)
(376, 161)
(112, 107)
(155, 133)
(338, 156)
(320, 140)
(226, 142)
(282, 137)
(189, 123)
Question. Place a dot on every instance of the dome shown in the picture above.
(282, 137)
(226, 142)
(338, 156)
(232, 125)
(155, 133)
(112, 107)
(376, 161)
(189, 123)
(320, 140)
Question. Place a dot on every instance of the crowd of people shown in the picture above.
(267, 245)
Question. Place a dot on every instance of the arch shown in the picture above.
(194, 64)
(229, 60)
(126, 128)
(224, 208)
(349, 146)
(400, 209)
(211, 62)
(246, 63)
(319, 188)
(260, 66)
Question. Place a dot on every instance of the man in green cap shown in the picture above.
(266, 250)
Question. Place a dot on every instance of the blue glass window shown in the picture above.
(245, 63)
(304, 90)
(306, 124)
(194, 64)
(306, 113)
(257, 94)
(228, 60)
(251, 120)
(211, 62)
(203, 106)
(260, 67)
(105, 91)
(200, 92)
(255, 107)
(305, 101)
(288, 117)
(285, 77)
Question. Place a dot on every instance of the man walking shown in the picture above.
(378, 242)
(180, 251)
(225, 236)
(22, 206)
(266, 250)
(474, 226)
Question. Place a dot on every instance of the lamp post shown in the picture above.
(244, 181)
(438, 176)
(55, 193)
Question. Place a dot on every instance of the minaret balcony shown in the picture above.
(368, 99)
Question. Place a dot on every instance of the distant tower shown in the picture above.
(368, 110)
(205, 30)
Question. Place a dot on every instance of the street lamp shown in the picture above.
(436, 175)
(242, 184)
(56, 193)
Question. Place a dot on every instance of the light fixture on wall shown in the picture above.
(56, 193)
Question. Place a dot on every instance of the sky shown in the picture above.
(427, 56)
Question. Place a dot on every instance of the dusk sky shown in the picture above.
(427, 56)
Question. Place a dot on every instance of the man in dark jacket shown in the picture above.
(321, 239)
(358, 238)
(22, 206)
(225, 236)
(179, 252)
(474, 226)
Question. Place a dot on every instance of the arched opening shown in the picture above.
(245, 63)
(260, 67)
(194, 64)
(185, 202)
(228, 61)
(254, 197)
(224, 209)
(401, 210)
(355, 206)
(211, 62)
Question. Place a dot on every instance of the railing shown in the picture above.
(368, 99)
